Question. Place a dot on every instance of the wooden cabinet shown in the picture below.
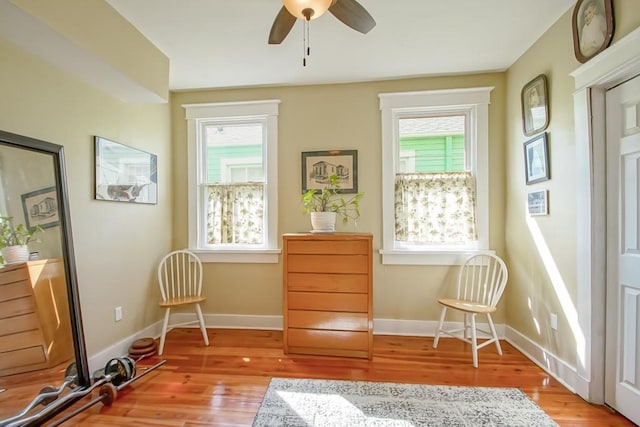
(327, 294)
(35, 330)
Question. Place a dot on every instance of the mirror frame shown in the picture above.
(57, 153)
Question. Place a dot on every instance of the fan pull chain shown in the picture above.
(305, 42)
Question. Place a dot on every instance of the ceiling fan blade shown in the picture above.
(352, 14)
(281, 26)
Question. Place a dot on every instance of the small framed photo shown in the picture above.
(318, 166)
(537, 202)
(592, 27)
(41, 208)
(536, 159)
(125, 174)
(535, 106)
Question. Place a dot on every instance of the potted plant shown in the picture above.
(327, 204)
(14, 240)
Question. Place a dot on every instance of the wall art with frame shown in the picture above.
(535, 106)
(536, 159)
(592, 25)
(41, 208)
(124, 174)
(318, 166)
(537, 202)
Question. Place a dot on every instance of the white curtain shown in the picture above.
(435, 208)
(235, 213)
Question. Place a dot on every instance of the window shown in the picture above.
(435, 188)
(233, 181)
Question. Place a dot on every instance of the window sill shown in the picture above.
(260, 256)
(428, 257)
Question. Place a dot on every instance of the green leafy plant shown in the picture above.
(329, 199)
(16, 235)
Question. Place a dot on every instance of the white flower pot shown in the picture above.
(13, 254)
(323, 221)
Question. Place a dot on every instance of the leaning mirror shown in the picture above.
(42, 349)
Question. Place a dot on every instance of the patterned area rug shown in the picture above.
(302, 402)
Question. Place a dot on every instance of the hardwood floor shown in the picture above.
(223, 385)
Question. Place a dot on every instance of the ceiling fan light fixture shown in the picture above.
(300, 8)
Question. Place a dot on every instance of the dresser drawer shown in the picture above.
(20, 340)
(328, 301)
(318, 282)
(319, 339)
(16, 307)
(347, 247)
(297, 263)
(13, 325)
(12, 274)
(22, 358)
(328, 320)
(14, 290)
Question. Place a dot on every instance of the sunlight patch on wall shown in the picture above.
(568, 308)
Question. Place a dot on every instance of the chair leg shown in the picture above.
(440, 325)
(203, 329)
(495, 335)
(165, 323)
(474, 340)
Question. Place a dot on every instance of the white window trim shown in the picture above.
(474, 100)
(197, 113)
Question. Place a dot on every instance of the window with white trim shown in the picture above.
(435, 184)
(233, 181)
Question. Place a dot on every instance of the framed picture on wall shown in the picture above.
(537, 202)
(592, 25)
(41, 208)
(318, 166)
(124, 174)
(535, 106)
(536, 159)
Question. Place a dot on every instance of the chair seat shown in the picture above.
(173, 302)
(466, 306)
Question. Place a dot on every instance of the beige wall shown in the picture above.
(541, 251)
(117, 245)
(341, 117)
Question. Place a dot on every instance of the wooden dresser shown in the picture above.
(35, 330)
(327, 294)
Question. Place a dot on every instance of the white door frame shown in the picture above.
(611, 67)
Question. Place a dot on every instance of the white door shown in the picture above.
(622, 381)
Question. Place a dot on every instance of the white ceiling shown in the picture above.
(223, 43)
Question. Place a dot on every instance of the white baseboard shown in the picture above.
(553, 365)
(121, 348)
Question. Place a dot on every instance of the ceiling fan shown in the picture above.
(350, 12)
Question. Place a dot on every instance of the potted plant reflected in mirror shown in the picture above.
(327, 204)
(14, 240)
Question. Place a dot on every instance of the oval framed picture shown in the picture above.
(592, 27)
(535, 106)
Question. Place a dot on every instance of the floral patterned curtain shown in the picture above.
(235, 213)
(435, 208)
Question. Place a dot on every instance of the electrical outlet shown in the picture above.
(553, 321)
(118, 313)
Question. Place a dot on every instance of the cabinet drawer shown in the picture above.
(17, 307)
(14, 325)
(328, 263)
(12, 274)
(328, 301)
(316, 282)
(20, 340)
(328, 340)
(328, 320)
(14, 290)
(328, 247)
(22, 357)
